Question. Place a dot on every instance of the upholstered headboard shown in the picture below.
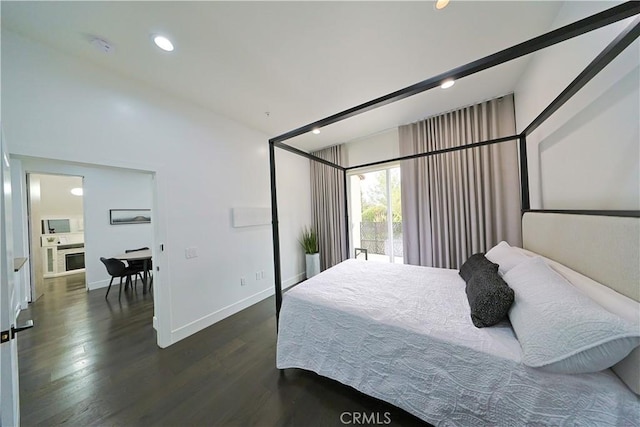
(603, 248)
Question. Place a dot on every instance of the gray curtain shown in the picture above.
(460, 203)
(327, 206)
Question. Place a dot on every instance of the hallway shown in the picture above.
(79, 347)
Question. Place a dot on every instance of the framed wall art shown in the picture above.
(129, 216)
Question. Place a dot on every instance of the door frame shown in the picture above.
(360, 171)
(161, 293)
(9, 309)
(26, 177)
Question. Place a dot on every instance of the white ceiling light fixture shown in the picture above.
(441, 4)
(316, 131)
(447, 83)
(77, 191)
(163, 43)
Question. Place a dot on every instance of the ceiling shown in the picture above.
(298, 61)
(55, 194)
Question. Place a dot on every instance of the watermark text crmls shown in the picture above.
(359, 418)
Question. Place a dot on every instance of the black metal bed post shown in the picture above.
(608, 54)
(525, 202)
(311, 157)
(346, 213)
(277, 273)
(436, 152)
(591, 23)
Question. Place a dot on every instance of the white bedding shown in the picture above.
(403, 334)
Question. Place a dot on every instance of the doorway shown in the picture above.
(376, 213)
(56, 229)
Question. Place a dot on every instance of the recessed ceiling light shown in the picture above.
(77, 191)
(441, 4)
(447, 84)
(315, 131)
(163, 43)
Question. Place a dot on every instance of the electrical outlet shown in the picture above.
(261, 274)
(243, 281)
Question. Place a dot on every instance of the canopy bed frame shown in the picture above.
(402, 333)
(594, 22)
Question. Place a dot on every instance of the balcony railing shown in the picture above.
(374, 237)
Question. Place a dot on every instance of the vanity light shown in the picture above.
(447, 84)
(316, 131)
(441, 4)
(76, 191)
(163, 43)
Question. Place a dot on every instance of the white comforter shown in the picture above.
(403, 334)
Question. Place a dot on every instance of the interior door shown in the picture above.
(9, 391)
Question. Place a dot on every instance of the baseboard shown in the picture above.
(294, 280)
(210, 319)
(63, 273)
(105, 283)
(100, 284)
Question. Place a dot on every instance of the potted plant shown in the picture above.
(309, 242)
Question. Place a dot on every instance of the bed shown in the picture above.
(403, 334)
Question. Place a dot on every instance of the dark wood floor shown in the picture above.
(93, 362)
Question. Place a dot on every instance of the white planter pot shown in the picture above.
(312, 264)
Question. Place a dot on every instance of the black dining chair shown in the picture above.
(138, 265)
(117, 268)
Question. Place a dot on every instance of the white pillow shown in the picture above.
(559, 328)
(609, 299)
(628, 369)
(505, 256)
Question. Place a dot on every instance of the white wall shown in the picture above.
(587, 155)
(55, 106)
(104, 188)
(294, 183)
(380, 146)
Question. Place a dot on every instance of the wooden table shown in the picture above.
(143, 255)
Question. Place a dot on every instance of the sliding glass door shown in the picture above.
(376, 214)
